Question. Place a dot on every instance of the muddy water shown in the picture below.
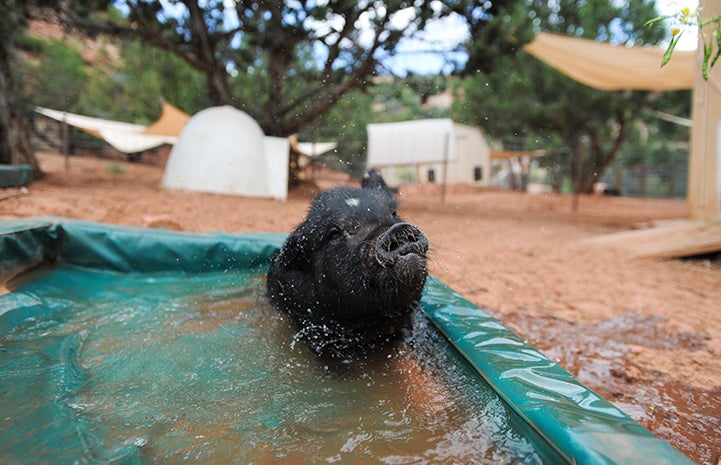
(687, 417)
(102, 367)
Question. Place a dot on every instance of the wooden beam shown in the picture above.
(704, 178)
(506, 154)
(680, 239)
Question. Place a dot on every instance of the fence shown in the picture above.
(663, 180)
(51, 135)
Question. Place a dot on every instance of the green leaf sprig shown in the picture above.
(684, 19)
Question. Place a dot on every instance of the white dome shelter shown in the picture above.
(223, 150)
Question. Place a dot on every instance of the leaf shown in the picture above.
(707, 49)
(669, 50)
(653, 21)
(717, 33)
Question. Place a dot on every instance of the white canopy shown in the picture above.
(313, 149)
(614, 67)
(124, 137)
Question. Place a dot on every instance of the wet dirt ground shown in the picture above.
(645, 334)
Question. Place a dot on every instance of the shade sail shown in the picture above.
(170, 123)
(614, 67)
(126, 137)
(311, 149)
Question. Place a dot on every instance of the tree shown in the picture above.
(300, 58)
(134, 90)
(15, 146)
(305, 55)
(528, 99)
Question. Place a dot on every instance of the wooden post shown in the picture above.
(66, 142)
(704, 178)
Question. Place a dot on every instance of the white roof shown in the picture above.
(411, 142)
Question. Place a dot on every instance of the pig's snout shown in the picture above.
(400, 240)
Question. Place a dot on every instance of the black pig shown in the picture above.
(351, 274)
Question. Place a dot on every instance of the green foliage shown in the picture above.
(134, 91)
(54, 74)
(131, 91)
(655, 141)
(29, 44)
(499, 33)
(56, 77)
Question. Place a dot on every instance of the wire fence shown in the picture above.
(54, 136)
(658, 181)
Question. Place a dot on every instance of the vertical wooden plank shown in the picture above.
(704, 181)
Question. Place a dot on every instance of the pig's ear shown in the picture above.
(372, 179)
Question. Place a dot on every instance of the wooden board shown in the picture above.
(679, 239)
(507, 154)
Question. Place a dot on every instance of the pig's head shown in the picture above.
(352, 272)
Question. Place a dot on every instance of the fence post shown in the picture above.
(704, 178)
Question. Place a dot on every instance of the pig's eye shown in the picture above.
(334, 233)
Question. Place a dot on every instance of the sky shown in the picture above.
(416, 56)
(689, 39)
(421, 57)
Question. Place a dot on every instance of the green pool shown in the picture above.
(129, 345)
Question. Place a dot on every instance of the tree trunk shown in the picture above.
(15, 146)
(218, 85)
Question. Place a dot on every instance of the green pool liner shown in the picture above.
(566, 421)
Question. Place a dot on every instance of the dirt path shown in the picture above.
(645, 334)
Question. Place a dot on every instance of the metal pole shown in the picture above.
(445, 166)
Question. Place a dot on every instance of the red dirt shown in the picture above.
(645, 334)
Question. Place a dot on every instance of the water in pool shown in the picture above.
(98, 367)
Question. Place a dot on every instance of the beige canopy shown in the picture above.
(614, 67)
(170, 123)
